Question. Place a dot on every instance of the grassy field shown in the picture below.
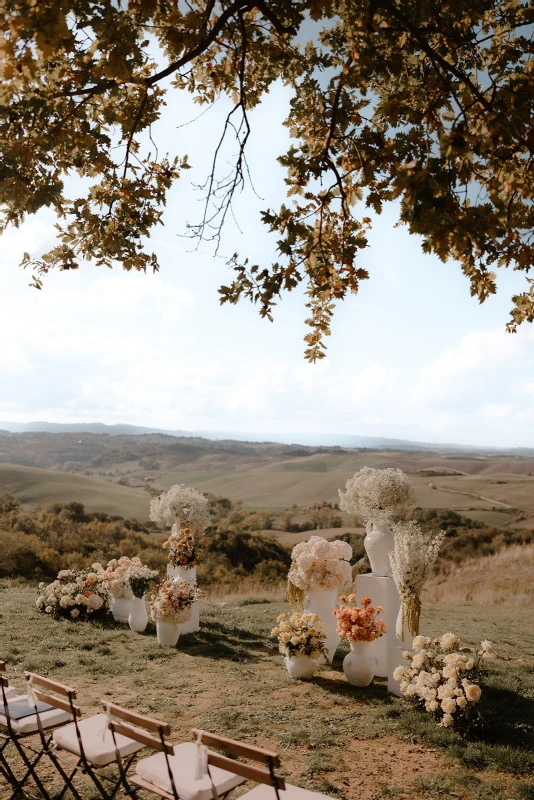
(356, 744)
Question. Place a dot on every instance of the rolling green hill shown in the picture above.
(33, 487)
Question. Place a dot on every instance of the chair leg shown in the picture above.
(30, 770)
(66, 778)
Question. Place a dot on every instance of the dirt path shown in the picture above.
(474, 496)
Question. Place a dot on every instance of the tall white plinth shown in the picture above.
(192, 625)
(382, 592)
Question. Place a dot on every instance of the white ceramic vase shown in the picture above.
(301, 667)
(379, 543)
(192, 625)
(404, 636)
(359, 665)
(138, 617)
(168, 633)
(120, 608)
(323, 602)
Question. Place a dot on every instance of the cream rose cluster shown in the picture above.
(300, 635)
(319, 563)
(74, 593)
(443, 678)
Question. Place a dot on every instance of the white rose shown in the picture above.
(447, 721)
(461, 702)
(419, 642)
(448, 705)
(473, 692)
(487, 646)
(398, 673)
(418, 660)
(48, 609)
(448, 640)
(74, 613)
(445, 691)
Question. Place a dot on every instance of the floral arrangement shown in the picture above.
(183, 505)
(411, 560)
(183, 547)
(140, 578)
(318, 563)
(300, 635)
(377, 494)
(359, 624)
(114, 576)
(74, 594)
(444, 678)
(173, 601)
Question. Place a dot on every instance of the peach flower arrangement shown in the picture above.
(359, 624)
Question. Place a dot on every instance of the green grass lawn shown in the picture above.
(357, 744)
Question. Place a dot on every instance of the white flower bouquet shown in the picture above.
(173, 601)
(318, 563)
(411, 560)
(114, 576)
(140, 578)
(377, 494)
(76, 594)
(300, 635)
(183, 505)
(444, 679)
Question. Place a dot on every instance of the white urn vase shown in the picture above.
(192, 625)
(323, 602)
(120, 608)
(301, 667)
(168, 633)
(379, 543)
(138, 617)
(359, 665)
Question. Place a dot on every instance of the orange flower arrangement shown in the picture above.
(183, 547)
(359, 624)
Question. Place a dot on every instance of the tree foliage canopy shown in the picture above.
(425, 102)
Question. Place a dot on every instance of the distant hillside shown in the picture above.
(33, 487)
(314, 440)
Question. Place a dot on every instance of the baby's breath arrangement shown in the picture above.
(411, 561)
(378, 494)
(443, 679)
(183, 505)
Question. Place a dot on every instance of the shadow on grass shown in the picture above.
(220, 641)
(375, 694)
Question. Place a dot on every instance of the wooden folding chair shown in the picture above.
(270, 785)
(170, 772)
(89, 740)
(20, 720)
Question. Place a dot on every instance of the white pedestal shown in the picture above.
(395, 660)
(382, 592)
(186, 574)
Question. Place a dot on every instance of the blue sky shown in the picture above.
(412, 356)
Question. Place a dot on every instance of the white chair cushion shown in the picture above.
(154, 770)
(49, 719)
(9, 691)
(264, 792)
(97, 740)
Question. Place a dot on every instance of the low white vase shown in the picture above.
(120, 608)
(168, 633)
(192, 625)
(359, 665)
(323, 602)
(301, 667)
(138, 617)
(379, 543)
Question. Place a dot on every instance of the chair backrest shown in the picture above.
(242, 750)
(118, 723)
(53, 693)
(4, 683)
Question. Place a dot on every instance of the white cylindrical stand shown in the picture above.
(192, 625)
(382, 592)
